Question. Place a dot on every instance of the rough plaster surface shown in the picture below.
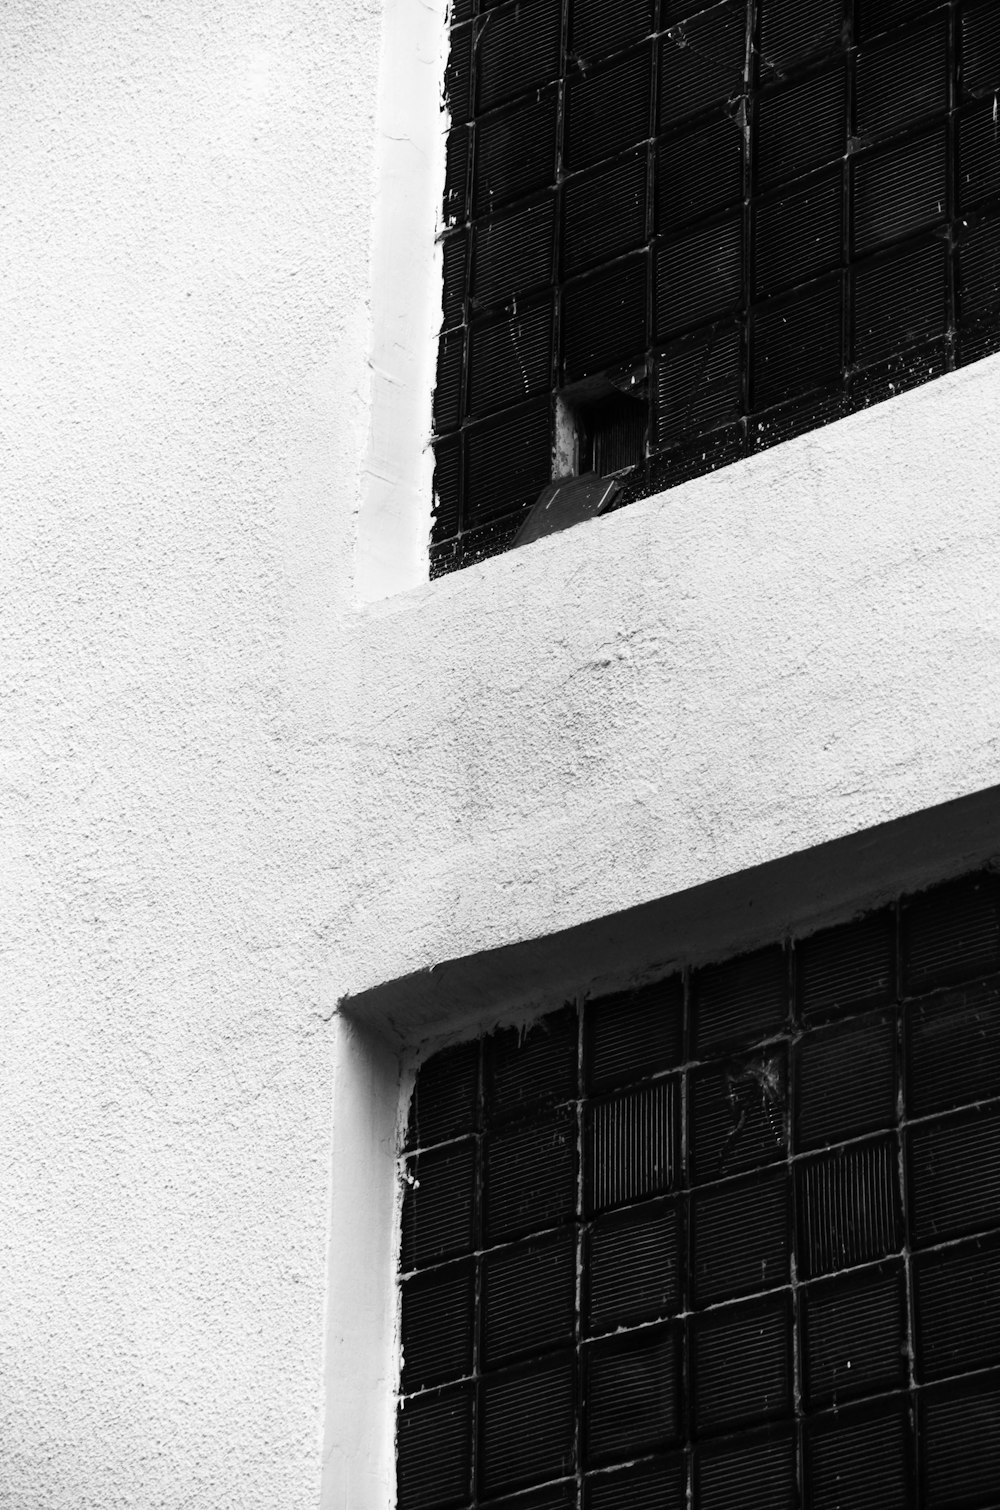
(184, 312)
(232, 798)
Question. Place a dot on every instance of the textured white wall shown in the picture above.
(184, 234)
(231, 797)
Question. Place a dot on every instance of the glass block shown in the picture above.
(633, 1145)
(953, 1049)
(741, 1364)
(861, 1458)
(854, 1334)
(752, 1472)
(957, 1320)
(954, 1174)
(742, 1001)
(848, 1207)
(529, 1298)
(951, 933)
(434, 1450)
(439, 1204)
(438, 1325)
(740, 1237)
(531, 1176)
(633, 1265)
(632, 1395)
(852, 965)
(634, 1033)
(528, 1425)
(845, 1081)
(739, 1114)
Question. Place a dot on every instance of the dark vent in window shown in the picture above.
(508, 461)
(722, 198)
(515, 153)
(698, 384)
(699, 172)
(900, 301)
(978, 169)
(796, 343)
(661, 1325)
(699, 277)
(899, 191)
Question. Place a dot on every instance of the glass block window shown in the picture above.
(690, 231)
(730, 1240)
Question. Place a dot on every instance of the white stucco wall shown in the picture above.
(184, 328)
(234, 795)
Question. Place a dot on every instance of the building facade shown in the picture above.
(283, 816)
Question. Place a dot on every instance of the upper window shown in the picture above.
(677, 234)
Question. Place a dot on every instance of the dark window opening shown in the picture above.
(777, 212)
(728, 1240)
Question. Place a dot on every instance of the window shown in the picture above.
(735, 1232)
(698, 230)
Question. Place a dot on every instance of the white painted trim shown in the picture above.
(395, 512)
(361, 1355)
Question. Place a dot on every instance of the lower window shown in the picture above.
(731, 1239)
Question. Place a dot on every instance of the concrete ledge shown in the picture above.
(795, 895)
(797, 648)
